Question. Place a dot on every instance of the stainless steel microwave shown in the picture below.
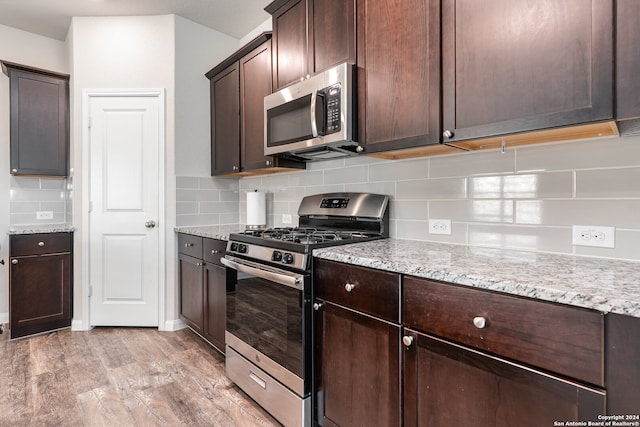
(313, 119)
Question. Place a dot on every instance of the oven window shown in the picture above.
(290, 122)
(269, 317)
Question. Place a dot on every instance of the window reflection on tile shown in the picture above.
(492, 210)
(550, 185)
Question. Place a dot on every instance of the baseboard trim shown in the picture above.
(78, 325)
(173, 325)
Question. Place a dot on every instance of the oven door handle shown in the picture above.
(284, 278)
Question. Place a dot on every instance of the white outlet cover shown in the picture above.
(440, 226)
(44, 215)
(592, 235)
(286, 219)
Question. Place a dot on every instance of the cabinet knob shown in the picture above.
(479, 322)
(41, 244)
(235, 168)
(14, 261)
(317, 306)
(188, 245)
(214, 251)
(447, 134)
(14, 170)
(268, 162)
(407, 340)
(349, 287)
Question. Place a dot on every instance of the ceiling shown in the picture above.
(51, 18)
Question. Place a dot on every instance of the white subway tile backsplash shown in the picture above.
(589, 154)
(529, 186)
(352, 174)
(619, 213)
(441, 188)
(399, 170)
(600, 183)
(476, 163)
(527, 198)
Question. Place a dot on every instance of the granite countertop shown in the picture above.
(606, 285)
(220, 232)
(40, 228)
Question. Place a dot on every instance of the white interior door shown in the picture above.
(124, 210)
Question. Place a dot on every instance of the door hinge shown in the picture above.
(90, 291)
(90, 206)
(90, 122)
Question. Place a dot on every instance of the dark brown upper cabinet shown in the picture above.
(628, 66)
(398, 45)
(513, 66)
(310, 36)
(238, 87)
(39, 111)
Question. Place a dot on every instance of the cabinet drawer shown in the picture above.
(562, 339)
(213, 250)
(42, 243)
(190, 245)
(370, 291)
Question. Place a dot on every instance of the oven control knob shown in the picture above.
(287, 258)
(242, 248)
(234, 247)
(276, 256)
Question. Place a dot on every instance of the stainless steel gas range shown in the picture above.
(270, 321)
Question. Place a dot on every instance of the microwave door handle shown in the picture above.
(312, 110)
(317, 100)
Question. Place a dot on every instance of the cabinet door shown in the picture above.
(332, 36)
(289, 43)
(39, 124)
(225, 121)
(215, 282)
(40, 294)
(255, 84)
(450, 385)
(517, 65)
(190, 271)
(627, 59)
(358, 380)
(398, 45)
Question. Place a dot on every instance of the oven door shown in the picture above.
(268, 321)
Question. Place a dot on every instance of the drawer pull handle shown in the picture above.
(349, 287)
(479, 322)
(14, 261)
(215, 251)
(407, 340)
(258, 380)
(188, 245)
(41, 244)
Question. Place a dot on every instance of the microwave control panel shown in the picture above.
(332, 94)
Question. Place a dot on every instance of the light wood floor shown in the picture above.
(119, 377)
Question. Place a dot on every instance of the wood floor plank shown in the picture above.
(120, 377)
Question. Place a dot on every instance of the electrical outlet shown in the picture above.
(286, 219)
(439, 226)
(44, 215)
(590, 235)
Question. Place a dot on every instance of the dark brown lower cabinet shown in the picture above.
(40, 283)
(358, 380)
(203, 284)
(215, 288)
(446, 384)
(191, 292)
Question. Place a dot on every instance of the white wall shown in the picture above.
(198, 49)
(265, 26)
(41, 52)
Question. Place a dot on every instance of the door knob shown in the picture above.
(150, 224)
